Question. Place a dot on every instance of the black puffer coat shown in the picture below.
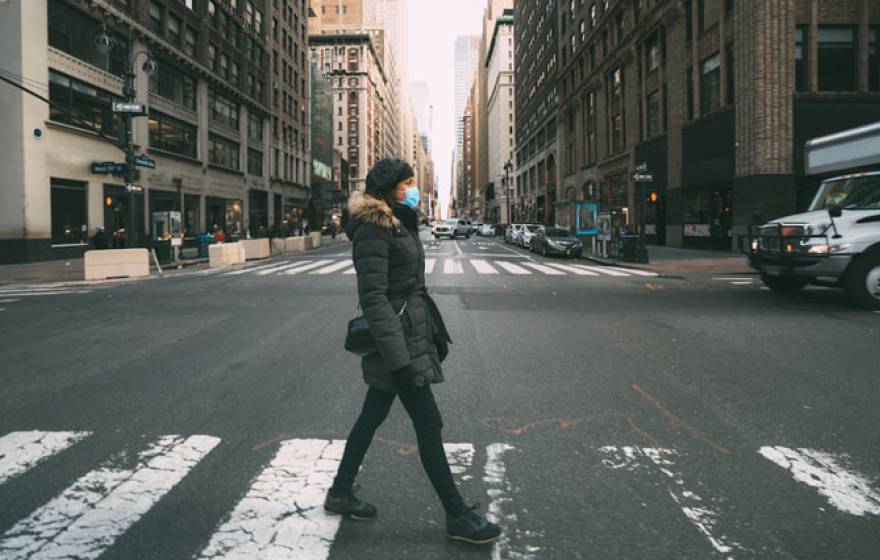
(390, 264)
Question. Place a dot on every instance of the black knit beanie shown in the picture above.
(386, 174)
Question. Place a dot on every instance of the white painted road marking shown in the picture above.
(282, 267)
(452, 266)
(315, 264)
(483, 267)
(9, 300)
(500, 511)
(602, 270)
(92, 513)
(636, 271)
(545, 269)
(429, 265)
(250, 269)
(44, 293)
(351, 270)
(572, 269)
(333, 267)
(282, 515)
(460, 457)
(846, 490)
(512, 268)
(21, 451)
(699, 510)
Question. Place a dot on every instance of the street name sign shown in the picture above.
(133, 108)
(108, 167)
(145, 161)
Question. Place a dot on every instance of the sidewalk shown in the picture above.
(675, 261)
(72, 270)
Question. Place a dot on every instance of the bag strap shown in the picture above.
(399, 313)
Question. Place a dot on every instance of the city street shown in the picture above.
(595, 412)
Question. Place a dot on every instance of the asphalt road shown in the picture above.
(598, 413)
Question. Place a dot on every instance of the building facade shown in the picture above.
(715, 99)
(536, 103)
(206, 130)
(501, 120)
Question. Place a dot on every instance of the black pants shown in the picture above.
(419, 403)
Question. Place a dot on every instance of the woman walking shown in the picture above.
(411, 342)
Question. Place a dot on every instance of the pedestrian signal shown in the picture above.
(652, 196)
(108, 201)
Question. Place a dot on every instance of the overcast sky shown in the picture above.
(433, 27)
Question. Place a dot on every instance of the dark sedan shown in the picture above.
(555, 241)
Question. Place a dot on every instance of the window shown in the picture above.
(255, 162)
(233, 74)
(223, 110)
(594, 17)
(653, 49)
(74, 33)
(800, 58)
(709, 13)
(616, 96)
(156, 17)
(172, 135)
(572, 136)
(873, 70)
(189, 41)
(731, 90)
(255, 128)
(69, 212)
(174, 29)
(710, 84)
(82, 102)
(212, 57)
(171, 83)
(223, 152)
(836, 58)
(653, 116)
(224, 65)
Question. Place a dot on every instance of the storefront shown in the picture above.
(226, 214)
(258, 212)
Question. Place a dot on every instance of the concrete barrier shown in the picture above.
(255, 248)
(277, 245)
(308, 242)
(224, 254)
(316, 239)
(294, 245)
(116, 263)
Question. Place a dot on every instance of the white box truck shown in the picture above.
(837, 241)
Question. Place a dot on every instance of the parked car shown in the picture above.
(475, 228)
(555, 241)
(510, 233)
(444, 228)
(525, 234)
(487, 230)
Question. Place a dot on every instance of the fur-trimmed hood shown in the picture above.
(366, 208)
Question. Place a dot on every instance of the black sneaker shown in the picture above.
(471, 527)
(351, 506)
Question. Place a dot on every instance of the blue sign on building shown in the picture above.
(587, 216)
(108, 167)
(145, 161)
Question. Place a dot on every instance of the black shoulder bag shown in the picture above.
(359, 339)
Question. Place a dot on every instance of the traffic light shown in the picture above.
(652, 196)
(108, 201)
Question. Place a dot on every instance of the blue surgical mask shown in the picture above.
(412, 197)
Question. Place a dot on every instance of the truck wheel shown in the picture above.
(862, 281)
(783, 284)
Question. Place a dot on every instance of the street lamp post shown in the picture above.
(507, 167)
(104, 42)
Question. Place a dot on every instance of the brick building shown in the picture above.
(206, 129)
(536, 104)
(715, 98)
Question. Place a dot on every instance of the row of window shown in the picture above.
(837, 58)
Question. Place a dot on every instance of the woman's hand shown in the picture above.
(442, 349)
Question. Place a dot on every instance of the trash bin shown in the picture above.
(203, 241)
(163, 250)
(629, 247)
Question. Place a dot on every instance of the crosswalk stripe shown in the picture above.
(333, 267)
(93, 512)
(602, 270)
(573, 270)
(9, 300)
(452, 266)
(512, 268)
(281, 516)
(351, 270)
(282, 267)
(545, 269)
(44, 293)
(635, 271)
(250, 269)
(429, 265)
(21, 451)
(315, 264)
(483, 267)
